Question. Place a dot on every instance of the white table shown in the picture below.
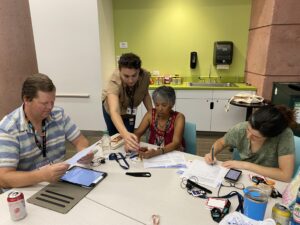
(122, 199)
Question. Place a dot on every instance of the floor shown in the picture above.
(204, 143)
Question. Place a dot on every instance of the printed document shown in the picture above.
(205, 174)
(174, 159)
(73, 160)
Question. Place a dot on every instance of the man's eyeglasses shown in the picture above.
(226, 183)
(239, 186)
(119, 156)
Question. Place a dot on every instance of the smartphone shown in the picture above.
(233, 175)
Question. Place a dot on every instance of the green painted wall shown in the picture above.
(164, 32)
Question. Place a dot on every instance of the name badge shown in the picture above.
(131, 121)
(131, 111)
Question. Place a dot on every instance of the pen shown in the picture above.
(95, 151)
(212, 155)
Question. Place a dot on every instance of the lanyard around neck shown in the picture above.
(42, 146)
(130, 93)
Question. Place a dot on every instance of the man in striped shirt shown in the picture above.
(32, 137)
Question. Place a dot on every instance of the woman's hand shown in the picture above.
(208, 159)
(149, 153)
(234, 164)
(131, 142)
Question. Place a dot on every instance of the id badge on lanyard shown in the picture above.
(131, 111)
(131, 121)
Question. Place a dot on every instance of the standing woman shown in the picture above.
(166, 126)
(126, 89)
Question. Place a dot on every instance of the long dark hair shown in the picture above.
(272, 120)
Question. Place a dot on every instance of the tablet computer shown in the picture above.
(83, 177)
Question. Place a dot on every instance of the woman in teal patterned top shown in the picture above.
(265, 143)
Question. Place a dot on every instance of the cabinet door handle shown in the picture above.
(211, 105)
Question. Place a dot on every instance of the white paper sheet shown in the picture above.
(206, 174)
(73, 160)
(174, 159)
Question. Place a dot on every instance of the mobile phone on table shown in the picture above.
(233, 175)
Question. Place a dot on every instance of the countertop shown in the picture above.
(185, 86)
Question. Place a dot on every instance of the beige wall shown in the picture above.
(273, 45)
(17, 52)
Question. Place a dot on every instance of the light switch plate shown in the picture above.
(123, 44)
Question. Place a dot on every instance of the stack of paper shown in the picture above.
(174, 159)
(205, 174)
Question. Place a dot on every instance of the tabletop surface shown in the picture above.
(122, 199)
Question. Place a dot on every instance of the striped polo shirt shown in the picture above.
(18, 148)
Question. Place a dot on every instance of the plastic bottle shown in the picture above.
(105, 140)
(296, 210)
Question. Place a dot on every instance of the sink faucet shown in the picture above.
(209, 74)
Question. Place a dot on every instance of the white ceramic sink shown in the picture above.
(201, 84)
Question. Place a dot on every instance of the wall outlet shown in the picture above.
(123, 44)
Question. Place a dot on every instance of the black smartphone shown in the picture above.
(83, 177)
(233, 175)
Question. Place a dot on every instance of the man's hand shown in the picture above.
(52, 172)
(131, 142)
(87, 159)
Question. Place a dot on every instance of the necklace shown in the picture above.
(161, 133)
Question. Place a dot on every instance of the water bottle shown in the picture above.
(105, 143)
(296, 210)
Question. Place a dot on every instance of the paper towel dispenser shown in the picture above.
(223, 52)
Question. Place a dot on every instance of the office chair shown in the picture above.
(190, 138)
(297, 154)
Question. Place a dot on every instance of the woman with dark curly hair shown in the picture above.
(265, 143)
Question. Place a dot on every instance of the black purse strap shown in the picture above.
(240, 207)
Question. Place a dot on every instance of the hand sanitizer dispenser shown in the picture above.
(223, 52)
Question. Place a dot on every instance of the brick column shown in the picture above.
(17, 52)
(273, 45)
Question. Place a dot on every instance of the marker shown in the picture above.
(193, 184)
(212, 155)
